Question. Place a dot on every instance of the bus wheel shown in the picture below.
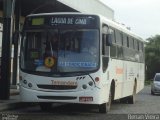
(124, 100)
(152, 93)
(46, 106)
(131, 99)
(105, 107)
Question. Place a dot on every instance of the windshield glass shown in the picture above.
(60, 51)
(157, 78)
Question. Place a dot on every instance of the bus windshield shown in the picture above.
(60, 50)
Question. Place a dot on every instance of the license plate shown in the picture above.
(85, 99)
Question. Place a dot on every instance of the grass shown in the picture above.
(148, 82)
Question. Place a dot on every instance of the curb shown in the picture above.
(14, 93)
(16, 105)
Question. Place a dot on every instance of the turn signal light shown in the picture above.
(97, 79)
(30, 85)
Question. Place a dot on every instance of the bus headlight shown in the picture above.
(25, 81)
(30, 85)
(90, 83)
(84, 86)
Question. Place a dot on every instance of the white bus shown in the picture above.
(79, 58)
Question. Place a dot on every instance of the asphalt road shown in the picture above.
(147, 106)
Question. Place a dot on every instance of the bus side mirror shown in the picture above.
(109, 40)
(15, 37)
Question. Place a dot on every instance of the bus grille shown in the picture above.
(57, 87)
(57, 97)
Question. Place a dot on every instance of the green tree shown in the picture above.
(152, 56)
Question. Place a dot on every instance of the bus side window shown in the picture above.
(113, 48)
(119, 37)
(107, 38)
(141, 47)
(138, 45)
(103, 44)
(131, 42)
(135, 44)
(125, 42)
(104, 32)
(105, 52)
(113, 35)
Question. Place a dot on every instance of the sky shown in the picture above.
(143, 16)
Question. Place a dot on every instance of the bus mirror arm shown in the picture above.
(109, 40)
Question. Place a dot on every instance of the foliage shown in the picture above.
(152, 56)
(148, 82)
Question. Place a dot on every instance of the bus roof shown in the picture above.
(103, 19)
(120, 27)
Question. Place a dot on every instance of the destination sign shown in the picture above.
(37, 21)
(63, 21)
(69, 21)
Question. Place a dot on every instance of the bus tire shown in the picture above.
(124, 100)
(131, 99)
(46, 106)
(152, 93)
(105, 107)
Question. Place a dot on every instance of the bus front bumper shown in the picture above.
(82, 97)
